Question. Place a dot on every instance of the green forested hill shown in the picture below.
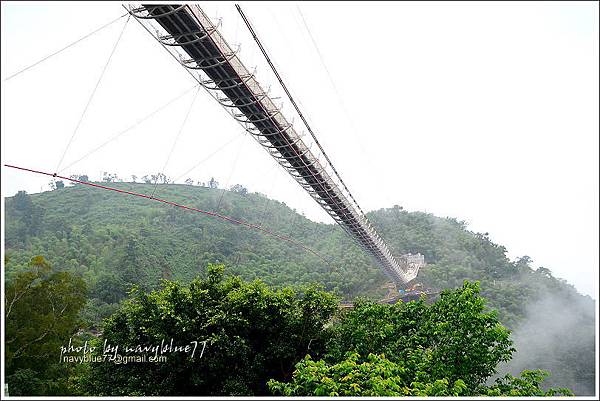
(114, 241)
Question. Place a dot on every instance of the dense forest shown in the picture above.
(116, 254)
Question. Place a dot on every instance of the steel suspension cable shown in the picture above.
(223, 146)
(137, 123)
(92, 95)
(64, 48)
(189, 208)
(230, 175)
(187, 114)
(342, 104)
(296, 107)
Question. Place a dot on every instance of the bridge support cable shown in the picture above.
(184, 207)
(344, 109)
(87, 105)
(64, 48)
(227, 183)
(293, 102)
(187, 114)
(129, 128)
(196, 43)
(195, 166)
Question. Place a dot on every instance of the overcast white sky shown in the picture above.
(484, 112)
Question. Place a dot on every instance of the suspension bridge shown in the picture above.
(192, 39)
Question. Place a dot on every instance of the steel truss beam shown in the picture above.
(190, 36)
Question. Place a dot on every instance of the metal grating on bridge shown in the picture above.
(189, 35)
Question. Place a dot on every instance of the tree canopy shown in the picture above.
(114, 242)
(252, 333)
(41, 312)
(449, 348)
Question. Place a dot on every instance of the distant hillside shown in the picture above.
(114, 241)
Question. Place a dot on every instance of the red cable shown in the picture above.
(213, 214)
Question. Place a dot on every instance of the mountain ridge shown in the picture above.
(114, 241)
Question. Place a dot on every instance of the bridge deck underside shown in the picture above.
(271, 128)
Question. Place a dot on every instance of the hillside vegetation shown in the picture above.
(113, 241)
